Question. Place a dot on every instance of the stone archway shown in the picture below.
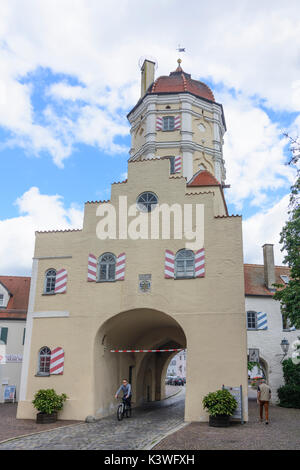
(133, 329)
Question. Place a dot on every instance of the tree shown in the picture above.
(289, 296)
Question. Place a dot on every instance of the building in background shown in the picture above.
(177, 366)
(14, 294)
(266, 328)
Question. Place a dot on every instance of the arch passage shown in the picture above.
(134, 329)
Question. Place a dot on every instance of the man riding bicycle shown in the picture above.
(126, 389)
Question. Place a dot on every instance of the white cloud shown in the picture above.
(253, 153)
(265, 227)
(250, 46)
(37, 212)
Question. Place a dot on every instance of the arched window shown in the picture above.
(107, 267)
(50, 281)
(147, 201)
(44, 361)
(251, 320)
(184, 264)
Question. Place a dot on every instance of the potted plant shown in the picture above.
(48, 403)
(220, 405)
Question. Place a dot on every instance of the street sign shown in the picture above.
(237, 393)
(10, 393)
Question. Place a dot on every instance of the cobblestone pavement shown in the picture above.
(282, 433)
(12, 427)
(147, 425)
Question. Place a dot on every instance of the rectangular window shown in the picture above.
(3, 335)
(251, 321)
(168, 123)
(1, 300)
(172, 165)
(24, 332)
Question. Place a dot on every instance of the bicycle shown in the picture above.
(123, 408)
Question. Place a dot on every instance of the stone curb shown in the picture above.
(161, 438)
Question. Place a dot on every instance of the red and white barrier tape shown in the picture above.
(145, 350)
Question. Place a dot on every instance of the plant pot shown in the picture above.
(44, 418)
(219, 421)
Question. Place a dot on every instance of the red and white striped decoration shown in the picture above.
(177, 122)
(92, 268)
(57, 361)
(200, 263)
(169, 264)
(120, 267)
(177, 164)
(61, 281)
(144, 350)
(159, 123)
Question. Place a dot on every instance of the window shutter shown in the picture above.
(177, 164)
(61, 281)
(159, 123)
(120, 267)
(262, 323)
(3, 334)
(177, 122)
(57, 361)
(169, 264)
(200, 263)
(92, 268)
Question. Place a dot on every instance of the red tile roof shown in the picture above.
(178, 82)
(203, 178)
(18, 287)
(255, 282)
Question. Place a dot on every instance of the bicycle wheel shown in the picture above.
(120, 412)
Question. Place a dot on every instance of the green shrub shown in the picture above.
(220, 402)
(289, 396)
(47, 401)
(291, 372)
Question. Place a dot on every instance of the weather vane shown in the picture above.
(180, 49)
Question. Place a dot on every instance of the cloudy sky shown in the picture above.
(69, 74)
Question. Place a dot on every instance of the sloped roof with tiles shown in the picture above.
(255, 280)
(180, 82)
(18, 288)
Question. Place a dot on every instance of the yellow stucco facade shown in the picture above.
(205, 315)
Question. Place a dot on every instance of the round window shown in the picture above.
(146, 202)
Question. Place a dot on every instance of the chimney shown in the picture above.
(147, 72)
(269, 266)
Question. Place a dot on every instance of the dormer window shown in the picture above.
(168, 123)
(1, 300)
(285, 279)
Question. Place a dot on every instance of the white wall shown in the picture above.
(268, 341)
(10, 372)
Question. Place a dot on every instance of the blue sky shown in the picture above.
(66, 85)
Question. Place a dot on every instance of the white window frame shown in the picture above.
(185, 274)
(53, 279)
(107, 264)
(255, 320)
(168, 123)
(43, 372)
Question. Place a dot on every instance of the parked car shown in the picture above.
(169, 380)
(178, 381)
